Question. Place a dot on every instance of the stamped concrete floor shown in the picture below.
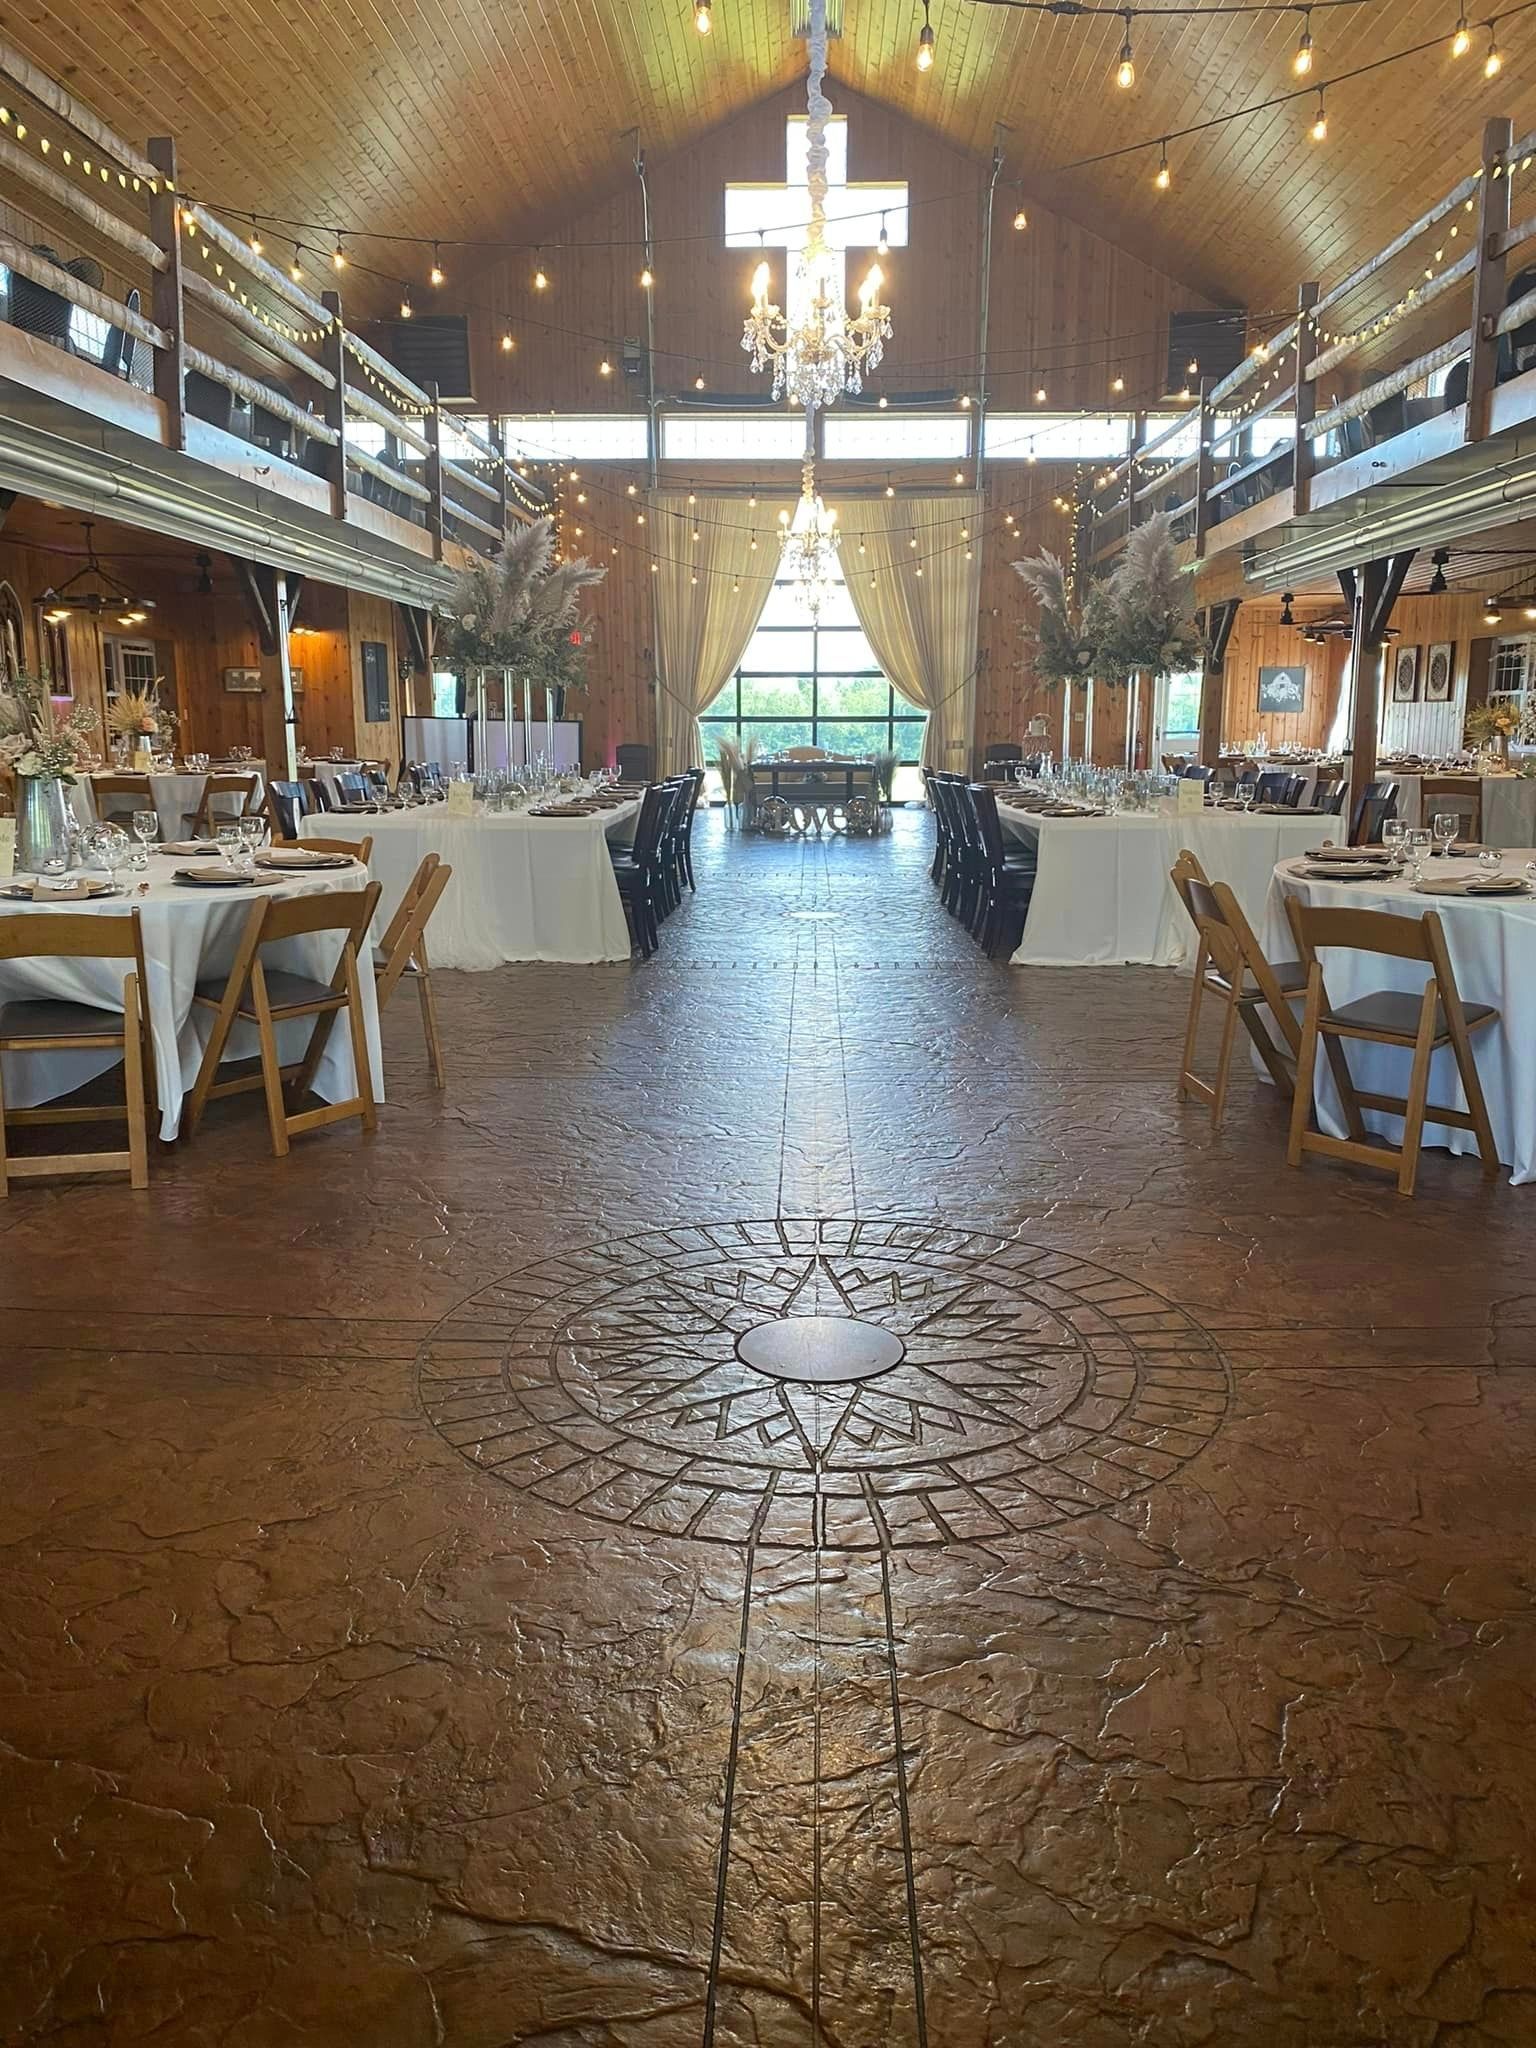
(421, 1625)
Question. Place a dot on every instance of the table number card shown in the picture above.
(461, 799)
(7, 848)
(1191, 794)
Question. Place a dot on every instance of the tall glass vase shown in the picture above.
(42, 825)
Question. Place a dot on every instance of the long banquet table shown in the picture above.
(523, 888)
(188, 933)
(1492, 944)
(1102, 897)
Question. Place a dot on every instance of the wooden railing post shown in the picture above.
(1205, 466)
(333, 353)
(1488, 278)
(433, 423)
(166, 299)
(1306, 400)
(493, 435)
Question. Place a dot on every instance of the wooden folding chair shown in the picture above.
(1231, 965)
(1421, 1024)
(1461, 795)
(403, 950)
(117, 797)
(211, 813)
(50, 1024)
(357, 849)
(269, 996)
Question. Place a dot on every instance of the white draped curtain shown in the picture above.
(710, 594)
(922, 627)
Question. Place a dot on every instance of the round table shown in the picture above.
(188, 933)
(1492, 945)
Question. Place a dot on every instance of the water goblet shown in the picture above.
(228, 840)
(1420, 839)
(1394, 840)
(146, 829)
(1446, 826)
(253, 833)
(1244, 795)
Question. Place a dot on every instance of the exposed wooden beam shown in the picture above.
(1377, 587)
(258, 586)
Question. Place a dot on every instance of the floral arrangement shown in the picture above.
(521, 612)
(735, 765)
(35, 740)
(1141, 617)
(1489, 723)
(139, 714)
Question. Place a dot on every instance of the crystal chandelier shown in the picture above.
(822, 352)
(808, 545)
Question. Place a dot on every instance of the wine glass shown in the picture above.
(107, 846)
(253, 832)
(228, 839)
(1244, 794)
(1394, 840)
(1446, 826)
(1420, 839)
(146, 829)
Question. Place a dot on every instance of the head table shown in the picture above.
(189, 933)
(1492, 944)
(523, 888)
(1102, 897)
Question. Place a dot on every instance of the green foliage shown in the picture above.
(1139, 618)
(518, 612)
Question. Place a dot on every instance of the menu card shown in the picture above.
(461, 799)
(1191, 794)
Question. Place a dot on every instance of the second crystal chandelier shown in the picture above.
(821, 352)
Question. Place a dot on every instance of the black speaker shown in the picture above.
(432, 348)
(1207, 345)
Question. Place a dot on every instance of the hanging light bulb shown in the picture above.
(256, 243)
(605, 368)
(1301, 63)
(435, 274)
(1039, 394)
(338, 254)
(701, 16)
(1164, 177)
(925, 42)
(1461, 42)
(647, 278)
(1493, 63)
(1117, 385)
(540, 281)
(883, 245)
(295, 268)
(1319, 129)
(1125, 71)
(506, 344)
(1020, 221)
(698, 383)
(405, 305)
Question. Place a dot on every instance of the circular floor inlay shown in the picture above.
(820, 1350)
(943, 1384)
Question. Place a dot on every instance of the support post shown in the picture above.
(166, 292)
(333, 354)
(1306, 400)
(1205, 466)
(433, 424)
(1219, 621)
(1377, 586)
(493, 435)
(1489, 277)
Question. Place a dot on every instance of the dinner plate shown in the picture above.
(1474, 885)
(26, 892)
(185, 847)
(207, 878)
(1347, 871)
(303, 863)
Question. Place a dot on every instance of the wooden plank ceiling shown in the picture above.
(487, 118)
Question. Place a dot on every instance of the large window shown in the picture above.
(804, 685)
(732, 437)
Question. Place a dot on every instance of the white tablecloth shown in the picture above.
(176, 798)
(1102, 897)
(523, 888)
(1492, 945)
(188, 933)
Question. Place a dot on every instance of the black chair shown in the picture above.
(352, 788)
(1329, 797)
(1196, 773)
(941, 837)
(637, 869)
(957, 884)
(1005, 880)
(1371, 812)
(286, 804)
(1276, 786)
(35, 309)
(1522, 339)
(209, 400)
(633, 761)
(685, 842)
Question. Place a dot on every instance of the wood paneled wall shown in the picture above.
(1070, 311)
(198, 635)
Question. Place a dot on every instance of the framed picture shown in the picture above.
(296, 677)
(243, 682)
(1283, 691)
(375, 683)
(1405, 676)
(1440, 672)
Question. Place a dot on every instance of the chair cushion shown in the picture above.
(54, 1017)
(284, 991)
(1391, 1009)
